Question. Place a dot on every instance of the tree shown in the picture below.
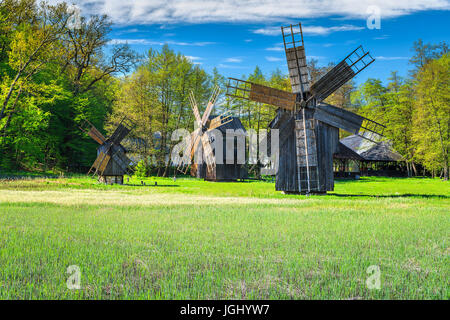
(432, 118)
(31, 47)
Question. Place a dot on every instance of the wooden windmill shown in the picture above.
(111, 163)
(308, 128)
(203, 126)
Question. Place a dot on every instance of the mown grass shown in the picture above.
(202, 240)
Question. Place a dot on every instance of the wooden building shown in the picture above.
(375, 159)
(223, 171)
(290, 173)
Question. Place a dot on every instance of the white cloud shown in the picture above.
(273, 59)
(228, 66)
(194, 58)
(279, 48)
(248, 40)
(233, 60)
(309, 30)
(159, 43)
(391, 58)
(381, 37)
(260, 11)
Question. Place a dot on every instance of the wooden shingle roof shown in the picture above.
(371, 151)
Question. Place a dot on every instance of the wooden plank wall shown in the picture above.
(327, 142)
(286, 179)
(327, 138)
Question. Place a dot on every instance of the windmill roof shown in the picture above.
(371, 151)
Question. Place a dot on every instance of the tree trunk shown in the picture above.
(414, 168)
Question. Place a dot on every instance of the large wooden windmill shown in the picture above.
(308, 127)
(111, 163)
(203, 125)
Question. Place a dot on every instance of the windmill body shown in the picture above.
(308, 127)
(111, 163)
(224, 170)
(200, 155)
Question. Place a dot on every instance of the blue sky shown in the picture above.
(235, 36)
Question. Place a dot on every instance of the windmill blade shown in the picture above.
(195, 140)
(208, 154)
(255, 92)
(100, 163)
(345, 70)
(124, 128)
(191, 143)
(212, 101)
(92, 131)
(296, 59)
(195, 108)
(348, 121)
(220, 120)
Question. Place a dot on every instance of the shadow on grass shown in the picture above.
(406, 195)
(150, 185)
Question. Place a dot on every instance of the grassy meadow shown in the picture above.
(190, 239)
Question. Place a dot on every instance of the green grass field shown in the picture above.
(190, 239)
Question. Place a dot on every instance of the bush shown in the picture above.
(141, 169)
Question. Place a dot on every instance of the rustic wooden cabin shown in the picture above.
(377, 159)
(224, 171)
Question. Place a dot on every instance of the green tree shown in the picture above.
(432, 119)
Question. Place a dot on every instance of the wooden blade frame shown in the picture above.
(345, 70)
(220, 120)
(255, 92)
(100, 163)
(194, 107)
(196, 136)
(92, 131)
(123, 129)
(349, 121)
(191, 147)
(371, 130)
(294, 48)
(208, 154)
(211, 103)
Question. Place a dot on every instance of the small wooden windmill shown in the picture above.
(111, 163)
(203, 126)
(308, 128)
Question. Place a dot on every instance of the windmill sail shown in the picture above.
(255, 92)
(349, 121)
(119, 134)
(92, 131)
(345, 70)
(296, 59)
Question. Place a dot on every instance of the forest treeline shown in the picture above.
(54, 76)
